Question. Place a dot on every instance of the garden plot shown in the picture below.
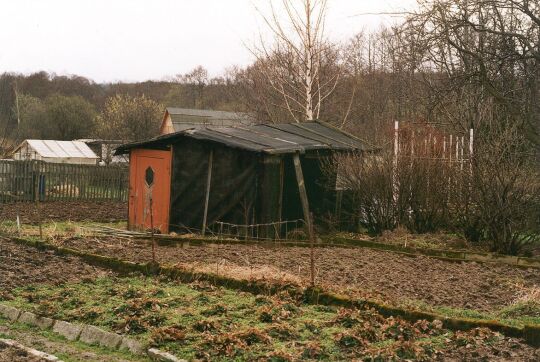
(23, 265)
(465, 289)
(105, 211)
(199, 320)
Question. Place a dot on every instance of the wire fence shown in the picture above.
(279, 230)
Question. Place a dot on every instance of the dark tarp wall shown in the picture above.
(245, 187)
(319, 187)
(232, 189)
(268, 205)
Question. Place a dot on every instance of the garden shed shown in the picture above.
(241, 175)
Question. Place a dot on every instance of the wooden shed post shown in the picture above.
(280, 200)
(207, 198)
(307, 214)
(302, 189)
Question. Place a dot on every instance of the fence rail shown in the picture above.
(37, 180)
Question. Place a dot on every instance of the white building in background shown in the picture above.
(74, 152)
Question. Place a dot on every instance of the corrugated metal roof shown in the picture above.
(207, 113)
(61, 149)
(278, 138)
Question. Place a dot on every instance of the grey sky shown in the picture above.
(132, 40)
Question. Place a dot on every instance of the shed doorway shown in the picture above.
(150, 180)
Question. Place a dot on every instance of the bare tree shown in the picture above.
(486, 54)
(293, 64)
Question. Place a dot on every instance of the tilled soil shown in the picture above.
(107, 211)
(356, 271)
(509, 349)
(23, 265)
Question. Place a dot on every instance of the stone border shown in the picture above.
(530, 333)
(88, 334)
(30, 351)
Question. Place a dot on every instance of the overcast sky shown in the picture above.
(134, 40)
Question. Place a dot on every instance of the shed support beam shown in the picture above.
(307, 214)
(280, 200)
(302, 190)
(207, 198)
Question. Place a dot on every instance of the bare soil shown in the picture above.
(359, 272)
(107, 211)
(22, 265)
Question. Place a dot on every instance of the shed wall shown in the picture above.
(233, 188)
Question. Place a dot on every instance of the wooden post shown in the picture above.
(280, 201)
(395, 163)
(36, 197)
(307, 214)
(471, 149)
(207, 199)
(302, 189)
(152, 231)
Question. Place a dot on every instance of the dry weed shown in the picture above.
(168, 334)
(263, 272)
(528, 295)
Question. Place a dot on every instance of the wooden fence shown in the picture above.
(28, 180)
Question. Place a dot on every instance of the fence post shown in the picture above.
(35, 172)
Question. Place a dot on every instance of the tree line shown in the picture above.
(457, 64)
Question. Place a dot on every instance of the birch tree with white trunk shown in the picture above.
(292, 64)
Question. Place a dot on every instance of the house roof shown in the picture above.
(269, 138)
(99, 141)
(60, 149)
(206, 113)
(184, 118)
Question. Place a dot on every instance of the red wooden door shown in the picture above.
(149, 189)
